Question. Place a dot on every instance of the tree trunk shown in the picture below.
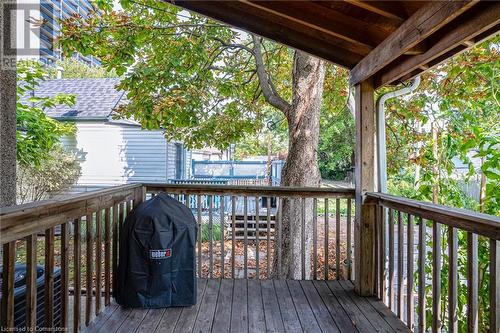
(301, 166)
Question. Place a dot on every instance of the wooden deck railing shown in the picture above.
(428, 255)
(72, 231)
(238, 226)
(76, 241)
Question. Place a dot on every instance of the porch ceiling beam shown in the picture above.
(414, 30)
(276, 28)
(484, 17)
(389, 10)
(335, 25)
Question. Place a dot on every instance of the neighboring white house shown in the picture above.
(113, 152)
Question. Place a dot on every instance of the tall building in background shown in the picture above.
(51, 11)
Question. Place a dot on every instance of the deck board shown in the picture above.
(221, 322)
(259, 306)
(150, 321)
(358, 319)
(207, 308)
(256, 319)
(367, 309)
(169, 320)
(289, 315)
(306, 315)
(239, 312)
(323, 317)
(273, 316)
(134, 319)
(188, 316)
(343, 321)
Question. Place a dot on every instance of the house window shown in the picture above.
(179, 161)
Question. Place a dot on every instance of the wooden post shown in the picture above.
(364, 237)
(139, 195)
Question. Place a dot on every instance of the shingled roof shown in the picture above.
(95, 98)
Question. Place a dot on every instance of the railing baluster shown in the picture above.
(326, 239)
(472, 284)
(233, 234)
(494, 286)
(436, 277)
(115, 228)
(31, 277)
(245, 237)
(303, 238)
(315, 238)
(391, 259)
(422, 253)
(257, 242)
(49, 278)
(452, 280)
(64, 274)
(198, 203)
(337, 239)
(77, 252)
(129, 205)
(107, 257)
(409, 275)
(89, 267)
(349, 242)
(8, 262)
(222, 229)
(210, 236)
(400, 266)
(280, 227)
(98, 262)
(268, 254)
(382, 271)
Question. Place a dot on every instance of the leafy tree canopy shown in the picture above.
(461, 97)
(37, 134)
(74, 69)
(193, 77)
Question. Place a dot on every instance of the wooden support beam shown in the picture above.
(414, 30)
(365, 182)
(392, 10)
(483, 17)
(335, 24)
(284, 31)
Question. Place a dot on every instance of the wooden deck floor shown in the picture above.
(259, 306)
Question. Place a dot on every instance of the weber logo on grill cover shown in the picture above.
(160, 254)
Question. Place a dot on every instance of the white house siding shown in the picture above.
(189, 158)
(171, 156)
(185, 173)
(114, 154)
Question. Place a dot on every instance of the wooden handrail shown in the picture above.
(17, 222)
(311, 192)
(478, 223)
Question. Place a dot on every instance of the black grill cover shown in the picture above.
(157, 255)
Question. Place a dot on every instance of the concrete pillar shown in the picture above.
(7, 116)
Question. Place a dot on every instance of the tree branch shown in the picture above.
(265, 83)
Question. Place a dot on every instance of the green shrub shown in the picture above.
(205, 232)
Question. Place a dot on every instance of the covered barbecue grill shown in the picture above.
(157, 255)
